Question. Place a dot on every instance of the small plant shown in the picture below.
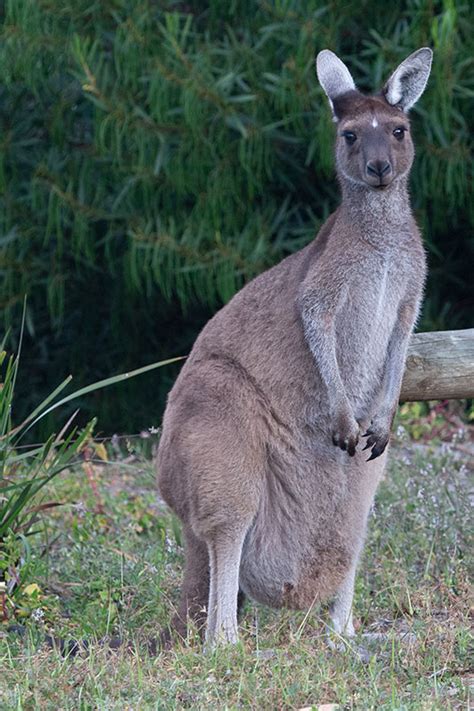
(25, 471)
(23, 474)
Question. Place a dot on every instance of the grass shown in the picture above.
(109, 564)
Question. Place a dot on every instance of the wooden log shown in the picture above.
(440, 365)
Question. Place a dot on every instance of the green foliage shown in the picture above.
(26, 470)
(155, 156)
(23, 475)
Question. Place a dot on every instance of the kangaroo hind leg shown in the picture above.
(341, 609)
(194, 590)
(224, 555)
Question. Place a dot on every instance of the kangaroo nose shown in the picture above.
(379, 168)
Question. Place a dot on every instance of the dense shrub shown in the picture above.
(154, 156)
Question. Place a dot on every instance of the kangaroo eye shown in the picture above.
(399, 133)
(350, 137)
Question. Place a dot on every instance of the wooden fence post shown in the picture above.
(440, 365)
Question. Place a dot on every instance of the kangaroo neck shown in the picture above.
(376, 216)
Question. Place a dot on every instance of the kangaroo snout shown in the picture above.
(378, 172)
(379, 168)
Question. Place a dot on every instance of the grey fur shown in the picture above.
(408, 81)
(333, 75)
(260, 454)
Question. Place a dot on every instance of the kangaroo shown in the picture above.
(260, 454)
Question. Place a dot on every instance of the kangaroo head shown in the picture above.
(373, 146)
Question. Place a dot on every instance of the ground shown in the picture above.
(106, 572)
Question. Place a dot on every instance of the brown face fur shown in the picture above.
(373, 143)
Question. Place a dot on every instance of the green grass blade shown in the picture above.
(20, 343)
(106, 383)
(37, 410)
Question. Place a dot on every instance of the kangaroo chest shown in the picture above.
(365, 322)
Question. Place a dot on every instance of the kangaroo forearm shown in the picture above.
(321, 340)
(392, 380)
(318, 306)
(395, 360)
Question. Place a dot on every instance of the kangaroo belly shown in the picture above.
(309, 529)
(280, 576)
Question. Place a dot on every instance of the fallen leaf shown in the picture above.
(31, 589)
(101, 451)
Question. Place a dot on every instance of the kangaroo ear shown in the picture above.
(333, 75)
(408, 81)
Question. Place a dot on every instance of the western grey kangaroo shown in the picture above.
(259, 452)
